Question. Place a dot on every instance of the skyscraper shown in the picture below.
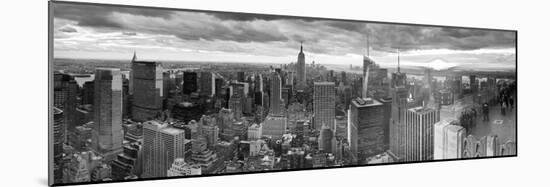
(147, 90)
(241, 76)
(209, 130)
(399, 106)
(398, 79)
(88, 93)
(207, 85)
(65, 91)
(386, 120)
(58, 140)
(107, 132)
(367, 62)
(161, 146)
(219, 83)
(325, 139)
(419, 134)
(236, 105)
(258, 83)
(324, 96)
(301, 69)
(189, 82)
(399, 94)
(275, 97)
(343, 78)
(166, 84)
(448, 138)
(367, 130)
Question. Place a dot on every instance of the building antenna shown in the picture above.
(398, 62)
(368, 47)
(134, 58)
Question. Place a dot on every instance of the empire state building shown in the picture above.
(301, 70)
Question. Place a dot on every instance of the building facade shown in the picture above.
(58, 141)
(275, 96)
(147, 90)
(324, 96)
(161, 146)
(274, 126)
(254, 132)
(107, 132)
(419, 133)
(208, 86)
(189, 83)
(448, 138)
(367, 130)
(180, 168)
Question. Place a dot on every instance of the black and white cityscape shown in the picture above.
(143, 93)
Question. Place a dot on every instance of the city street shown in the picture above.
(503, 126)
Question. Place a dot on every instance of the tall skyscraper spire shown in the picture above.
(368, 47)
(301, 69)
(135, 57)
(366, 82)
(398, 62)
(366, 68)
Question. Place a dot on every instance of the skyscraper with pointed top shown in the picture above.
(147, 89)
(399, 106)
(398, 78)
(301, 69)
(367, 62)
(131, 90)
(367, 128)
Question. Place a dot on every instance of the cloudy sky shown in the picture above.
(105, 32)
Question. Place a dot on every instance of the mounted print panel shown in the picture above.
(141, 93)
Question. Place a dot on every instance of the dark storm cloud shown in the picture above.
(186, 25)
(254, 17)
(319, 36)
(418, 37)
(68, 29)
(100, 16)
(348, 26)
(462, 33)
(239, 32)
(244, 17)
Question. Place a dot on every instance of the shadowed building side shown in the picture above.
(147, 90)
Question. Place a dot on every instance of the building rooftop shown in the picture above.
(324, 83)
(254, 125)
(455, 128)
(154, 125)
(421, 110)
(451, 124)
(172, 131)
(365, 102)
(107, 69)
(147, 62)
